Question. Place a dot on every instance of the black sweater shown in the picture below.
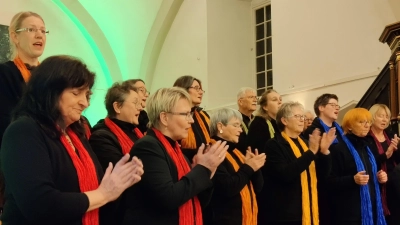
(41, 182)
(157, 197)
(280, 201)
(259, 133)
(12, 85)
(105, 143)
(143, 121)
(226, 202)
(317, 124)
(344, 192)
(242, 145)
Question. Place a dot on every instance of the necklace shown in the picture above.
(68, 139)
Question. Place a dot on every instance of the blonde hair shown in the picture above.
(353, 116)
(263, 102)
(164, 100)
(375, 109)
(15, 24)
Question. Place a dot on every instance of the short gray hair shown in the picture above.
(286, 111)
(164, 100)
(222, 116)
(243, 90)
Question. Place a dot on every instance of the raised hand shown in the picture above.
(314, 141)
(212, 156)
(123, 175)
(326, 140)
(255, 160)
(361, 178)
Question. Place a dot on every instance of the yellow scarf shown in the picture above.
(271, 129)
(304, 185)
(249, 202)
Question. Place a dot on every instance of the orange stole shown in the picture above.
(26, 74)
(249, 202)
(190, 141)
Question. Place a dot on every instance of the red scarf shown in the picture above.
(85, 170)
(87, 129)
(123, 139)
(384, 168)
(186, 211)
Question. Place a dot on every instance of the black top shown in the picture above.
(12, 85)
(143, 121)
(105, 143)
(317, 124)
(344, 192)
(393, 172)
(198, 133)
(42, 184)
(280, 200)
(226, 202)
(242, 145)
(157, 197)
(259, 133)
(107, 148)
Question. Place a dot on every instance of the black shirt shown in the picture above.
(242, 144)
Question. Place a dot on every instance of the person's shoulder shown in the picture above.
(21, 127)
(8, 68)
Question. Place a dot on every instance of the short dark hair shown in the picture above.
(117, 93)
(42, 94)
(186, 82)
(323, 100)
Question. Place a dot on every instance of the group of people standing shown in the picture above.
(173, 163)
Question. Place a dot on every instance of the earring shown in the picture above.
(220, 131)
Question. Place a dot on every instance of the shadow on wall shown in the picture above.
(4, 43)
(344, 109)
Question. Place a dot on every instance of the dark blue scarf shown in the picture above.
(326, 129)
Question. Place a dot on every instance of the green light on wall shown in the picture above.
(89, 39)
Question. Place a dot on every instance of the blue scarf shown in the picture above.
(366, 205)
(326, 129)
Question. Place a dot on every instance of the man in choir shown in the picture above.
(247, 104)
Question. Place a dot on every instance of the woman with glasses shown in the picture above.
(172, 191)
(27, 41)
(143, 95)
(383, 145)
(114, 136)
(290, 194)
(355, 177)
(238, 178)
(199, 132)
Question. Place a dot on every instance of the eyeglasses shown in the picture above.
(33, 30)
(334, 105)
(298, 116)
(365, 123)
(144, 91)
(251, 97)
(188, 115)
(308, 119)
(198, 89)
(138, 104)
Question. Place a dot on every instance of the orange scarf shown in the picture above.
(190, 141)
(249, 202)
(190, 212)
(85, 169)
(26, 74)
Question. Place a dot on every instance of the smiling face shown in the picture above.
(130, 109)
(72, 102)
(231, 131)
(30, 45)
